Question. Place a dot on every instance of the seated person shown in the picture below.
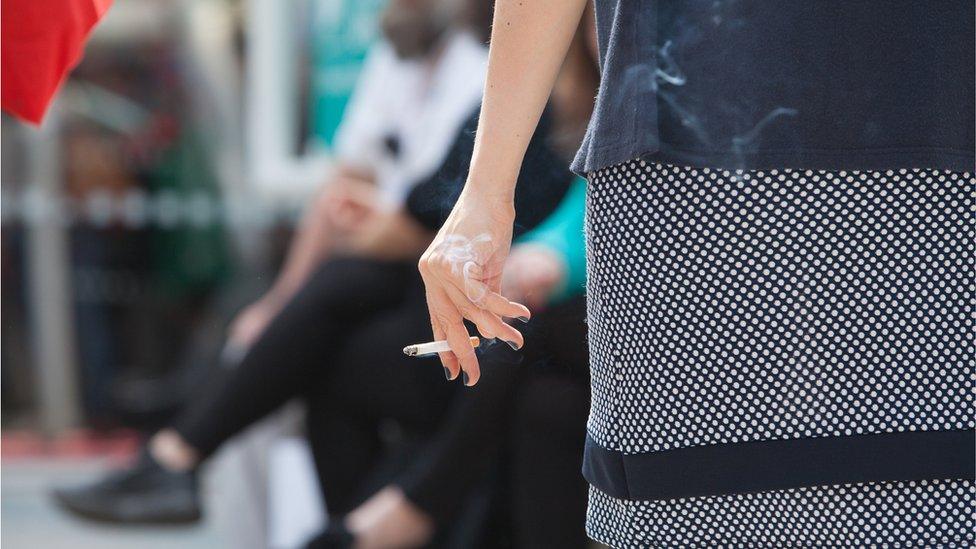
(337, 344)
(533, 404)
(417, 88)
(433, 56)
(536, 411)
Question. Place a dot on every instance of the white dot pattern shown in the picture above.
(733, 306)
(754, 305)
(937, 513)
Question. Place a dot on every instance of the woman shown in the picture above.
(779, 230)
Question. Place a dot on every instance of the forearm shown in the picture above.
(306, 251)
(393, 236)
(462, 268)
(316, 236)
(528, 43)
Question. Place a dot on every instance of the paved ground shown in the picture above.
(31, 521)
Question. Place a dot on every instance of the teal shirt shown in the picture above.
(562, 232)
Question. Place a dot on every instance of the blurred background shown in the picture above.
(162, 196)
(156, 199)
(211, 243)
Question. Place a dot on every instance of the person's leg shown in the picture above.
(548, 431)
(374, 384)
(439, 492)
(296, 349)
(459, 456)
(345, 449)
(371, 382)
(548, 490)
(467, 443)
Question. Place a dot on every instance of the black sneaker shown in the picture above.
(145, 494)
(335, 536)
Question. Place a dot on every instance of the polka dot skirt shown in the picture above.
(892, 514)
(729, 307)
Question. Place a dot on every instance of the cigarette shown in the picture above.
(434, 347)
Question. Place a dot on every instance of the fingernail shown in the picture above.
(513, 345)
(524, 319)
(464, 377)
(447, 374)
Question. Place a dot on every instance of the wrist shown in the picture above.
(274, 299)
(493, 190)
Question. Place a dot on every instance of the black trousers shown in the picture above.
(548, 432)
(338, 345)
(529, 411)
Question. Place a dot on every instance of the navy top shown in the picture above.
(752, 84)
(542, 181)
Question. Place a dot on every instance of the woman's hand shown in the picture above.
(462, 270)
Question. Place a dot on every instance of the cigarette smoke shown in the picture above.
(691, 115)
(466, 256)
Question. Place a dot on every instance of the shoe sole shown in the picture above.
(105, 518)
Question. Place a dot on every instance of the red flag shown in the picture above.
(41, 41)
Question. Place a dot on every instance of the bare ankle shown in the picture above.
(389, 519)
(169, 449)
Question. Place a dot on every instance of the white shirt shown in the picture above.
(421, 104)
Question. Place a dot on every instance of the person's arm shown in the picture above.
(391, 235)
(528, 43)
(462, 267)
(313, 240)
(357, 146)
(358, 139)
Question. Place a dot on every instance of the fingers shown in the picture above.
(458, 339)
(448, 360)
(448, 323)
(482, 296)
(501, 306)
(458, 289)
(488, 323)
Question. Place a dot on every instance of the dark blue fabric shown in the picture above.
(781, 464)
(824, 84)
(542, 181)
